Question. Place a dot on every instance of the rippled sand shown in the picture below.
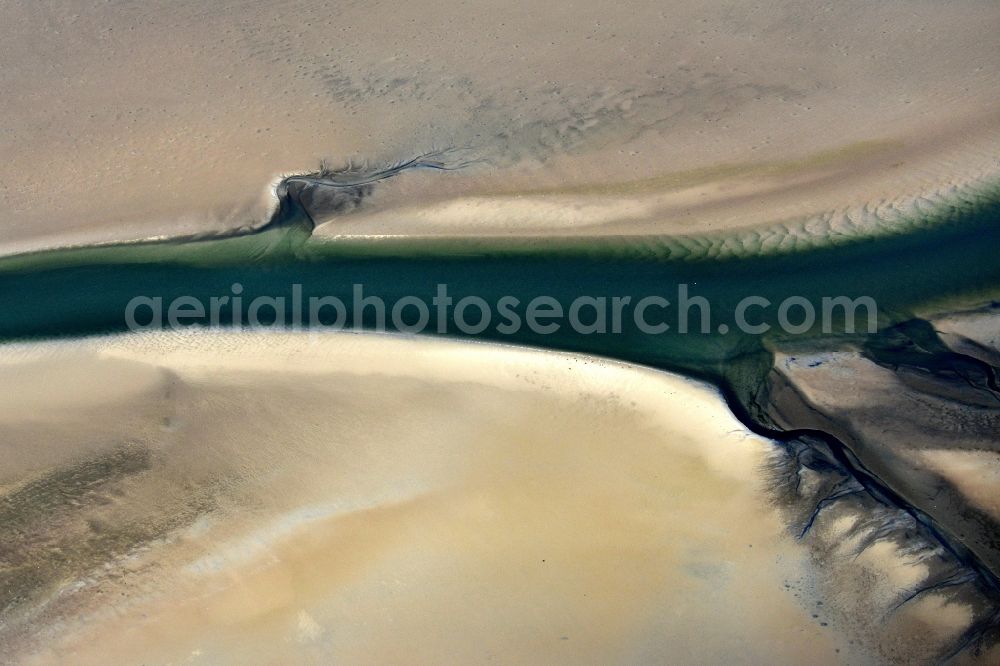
(225, 498)
(134, 121)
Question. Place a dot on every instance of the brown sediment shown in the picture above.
(912, 412)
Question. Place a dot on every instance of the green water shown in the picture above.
(82, 292)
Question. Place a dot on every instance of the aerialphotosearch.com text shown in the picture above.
(680, 311)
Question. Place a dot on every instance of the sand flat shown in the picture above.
(123, 122)
(377, 498)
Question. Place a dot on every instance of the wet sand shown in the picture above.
(926, 426)
(302, 498)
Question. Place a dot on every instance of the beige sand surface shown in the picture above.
(123, 120)
(295, 499)
(975, 473)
